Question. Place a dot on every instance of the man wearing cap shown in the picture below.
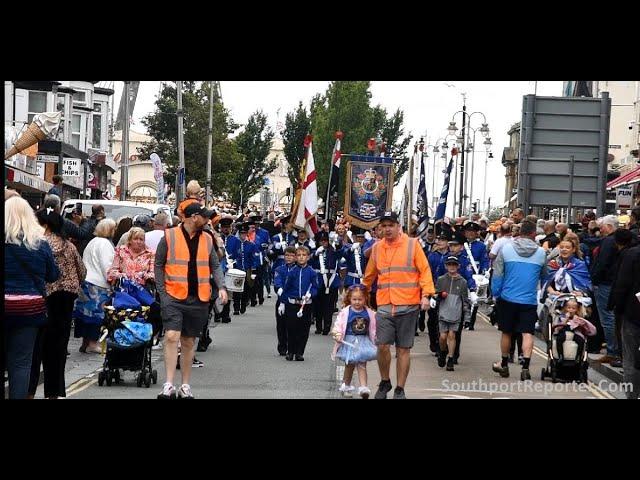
(225, 234)
(326, 263)
(184, 262)
(260, 237)
(246, 256)
(405, 284)
(456, 249)
(481, 259)
(304, 241)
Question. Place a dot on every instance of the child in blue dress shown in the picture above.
(355, 332)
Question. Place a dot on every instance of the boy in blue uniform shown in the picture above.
(300, 286)
(356, 262)
(326, 263)
(481, 257)
(260, 237)
(456, 249)
(304, 241)
(225, 234)
(247, 258)
(279, 277)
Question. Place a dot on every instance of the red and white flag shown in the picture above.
(308, 205)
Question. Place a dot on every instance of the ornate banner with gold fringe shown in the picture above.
(369, 189)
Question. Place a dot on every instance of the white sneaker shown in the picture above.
(185, 392)
(168, 392)
(364, 392)
(157, 346)
(347, 390)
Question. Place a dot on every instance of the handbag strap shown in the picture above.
(33, 275)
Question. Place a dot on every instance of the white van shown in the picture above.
(116, 209)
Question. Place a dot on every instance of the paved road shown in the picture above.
(243, 363)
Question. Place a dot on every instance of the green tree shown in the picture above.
(253, 144)
(296, 126)
(390, 130)
(162, 126)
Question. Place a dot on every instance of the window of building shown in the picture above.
(37, 104)
(80, 98)
(76, 123)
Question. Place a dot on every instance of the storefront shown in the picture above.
(29, 186)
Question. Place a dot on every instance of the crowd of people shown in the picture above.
(62, 270)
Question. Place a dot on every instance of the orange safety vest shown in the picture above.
(176, 270)
(398, 277)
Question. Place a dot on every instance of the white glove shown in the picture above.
(473, 297)
(433, 303)
(279, 292)
(367, 235)
(355, 246)
(281, 308)
(319, 250)
(283, 245)
(307, 297)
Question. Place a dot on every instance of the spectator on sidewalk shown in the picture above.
(28, 264)
(626, 304)
(88, 313)
(57, 186)
(603, 276)
(160, 224)
(518, 269)
(51, 345)
(405, 284)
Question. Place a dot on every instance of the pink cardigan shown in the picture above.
(340, 326)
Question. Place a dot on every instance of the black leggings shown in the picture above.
(50, 348)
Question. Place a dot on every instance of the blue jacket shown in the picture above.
(332, 264)
(280, 275)
(465, 269)
(517, 269)
(350, 264)
(251, 258)
(262, 241)
(435, 259)
(298, 282)
(480, 255)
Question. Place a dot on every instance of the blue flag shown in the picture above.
(423, 204)
(442, 202)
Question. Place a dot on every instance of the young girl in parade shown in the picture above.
(355, 332)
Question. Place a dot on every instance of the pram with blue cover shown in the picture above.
(128, 334)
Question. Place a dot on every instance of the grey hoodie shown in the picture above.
(451, 308)
(525, 247)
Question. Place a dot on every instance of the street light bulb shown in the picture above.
(484, 130)
(452, 128)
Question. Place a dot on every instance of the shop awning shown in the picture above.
(15, 176)
(629, 178)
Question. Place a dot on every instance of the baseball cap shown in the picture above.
(389, 216)
(452, 259)
(196, 209)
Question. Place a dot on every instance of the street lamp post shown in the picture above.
(488, 155)
(461, 138)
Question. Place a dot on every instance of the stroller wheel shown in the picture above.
(140, 379)
(109, 376)
(554, 379)
(147, 379)
(116, 377)
(101, 377)
(154, 376)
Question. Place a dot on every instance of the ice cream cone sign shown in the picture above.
(44, 125)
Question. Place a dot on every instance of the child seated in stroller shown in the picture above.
(569, 321)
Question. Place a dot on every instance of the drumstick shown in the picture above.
(299, 314)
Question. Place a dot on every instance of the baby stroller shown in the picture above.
(128, 335)
(573, 367)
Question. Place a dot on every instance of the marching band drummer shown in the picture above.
(246, 256)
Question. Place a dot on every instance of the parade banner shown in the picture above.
(422, 206)
(369, 189)
(158, 176)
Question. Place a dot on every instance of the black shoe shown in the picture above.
(299, 358)
(442, 359)
(195, 363)
(282, 353)
(421, 325)
(227, 320)
(253, 304)
(417, 334)
(503, 371)
(398, 394)
(261, 301)
(243, 310)
(471, 328)
(289, 357)
(525, 375)
(511, 358)
(318, 332)
(325, 333)
(455, 361)
(450, 364)
(384, 387)
(236, 313)
(467, 324)
(202, 347)
(218, 320)
(433, 348)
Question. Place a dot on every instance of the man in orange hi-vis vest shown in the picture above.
(185, 261)
(404, 284)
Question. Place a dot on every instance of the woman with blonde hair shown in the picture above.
(28, 265)
(89, 309)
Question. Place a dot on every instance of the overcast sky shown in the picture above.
(428, 108)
